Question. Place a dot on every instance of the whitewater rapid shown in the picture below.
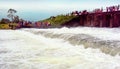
(65, 48)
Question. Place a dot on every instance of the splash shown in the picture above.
(107, 40)
(32, 49)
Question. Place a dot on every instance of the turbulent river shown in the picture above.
(63, 48)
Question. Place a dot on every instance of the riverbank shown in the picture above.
(4, 26)
(99, 17)
(8, 26)
(109, 17)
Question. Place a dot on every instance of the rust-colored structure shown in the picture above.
(100, 19)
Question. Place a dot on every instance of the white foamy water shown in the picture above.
(102, 33)
(20, 49)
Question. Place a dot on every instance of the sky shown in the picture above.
(40, 9)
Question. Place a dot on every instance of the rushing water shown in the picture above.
(74, 48)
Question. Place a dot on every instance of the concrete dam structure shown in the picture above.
(96, 19)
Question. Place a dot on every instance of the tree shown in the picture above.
(11, 14)
(16, 19)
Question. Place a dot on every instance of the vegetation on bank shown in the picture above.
(95, 18)
(8, 25)
(4, 26)
(58, 20)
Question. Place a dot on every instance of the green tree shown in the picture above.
(11, 14)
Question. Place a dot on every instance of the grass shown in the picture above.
(58, 20)
(6, 25)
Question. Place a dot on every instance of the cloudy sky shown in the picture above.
(55, 4)
(52, 7)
